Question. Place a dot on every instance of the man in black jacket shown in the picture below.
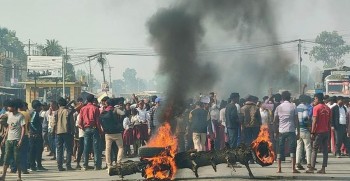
(36, 137)
(339, 125)
(232, 120)
(113, 128)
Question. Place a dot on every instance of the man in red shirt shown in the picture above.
(90, 123)
(320, 132)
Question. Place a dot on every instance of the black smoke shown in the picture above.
(178, 35)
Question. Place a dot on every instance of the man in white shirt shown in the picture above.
(143, 113)
(339, 125)
(144, 120)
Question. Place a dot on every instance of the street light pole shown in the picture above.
(299, 59)
(63, 74)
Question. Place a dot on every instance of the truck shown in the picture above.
(337, 81)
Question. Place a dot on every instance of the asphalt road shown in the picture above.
(338, 169)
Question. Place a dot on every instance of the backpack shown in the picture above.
(110, 122)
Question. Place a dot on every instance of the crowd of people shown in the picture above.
(80, 130)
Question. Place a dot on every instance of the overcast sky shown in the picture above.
(117, 24)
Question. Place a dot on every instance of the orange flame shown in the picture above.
(163, 138)
(265, 155)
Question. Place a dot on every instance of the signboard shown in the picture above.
(44, 66)
(14, 81)
(105, 87)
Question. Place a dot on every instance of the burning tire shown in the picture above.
(262, 148)
(148, 152)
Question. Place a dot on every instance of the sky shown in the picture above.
(90, 26)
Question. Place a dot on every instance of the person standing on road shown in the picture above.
(25, 140)
(223, 131)
(320, 131)
(232, 120)
(13, 137)
(80, 148)
(251, 120)
(305, 137)
(45, 125)
(339, 125)
(36, 137)
(154, 122)
(3, 127)
(52, 114)
(90, 123)
(144, 120)
(200, 119)
(64, 132)
(113, 129)
(286, 117)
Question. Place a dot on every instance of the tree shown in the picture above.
(53, 48)
(130, 80)
(9, 42)
(69, 73)
(330, 49)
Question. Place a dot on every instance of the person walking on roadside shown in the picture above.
(320, 131)
(90, 123)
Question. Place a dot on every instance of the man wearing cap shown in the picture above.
(154, 117)
(36, 137)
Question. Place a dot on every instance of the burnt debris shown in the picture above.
(194, 160)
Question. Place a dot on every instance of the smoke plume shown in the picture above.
(175, 35)
(178, 34)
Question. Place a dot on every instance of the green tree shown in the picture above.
(130, 80)
(53, 48)
(9, 42)
(330, 49)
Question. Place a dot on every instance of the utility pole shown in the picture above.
(299, 59)
(110, 77)
(29, 48)
(101, 60)
(63, 74)
(29, 44)
(90, 76)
